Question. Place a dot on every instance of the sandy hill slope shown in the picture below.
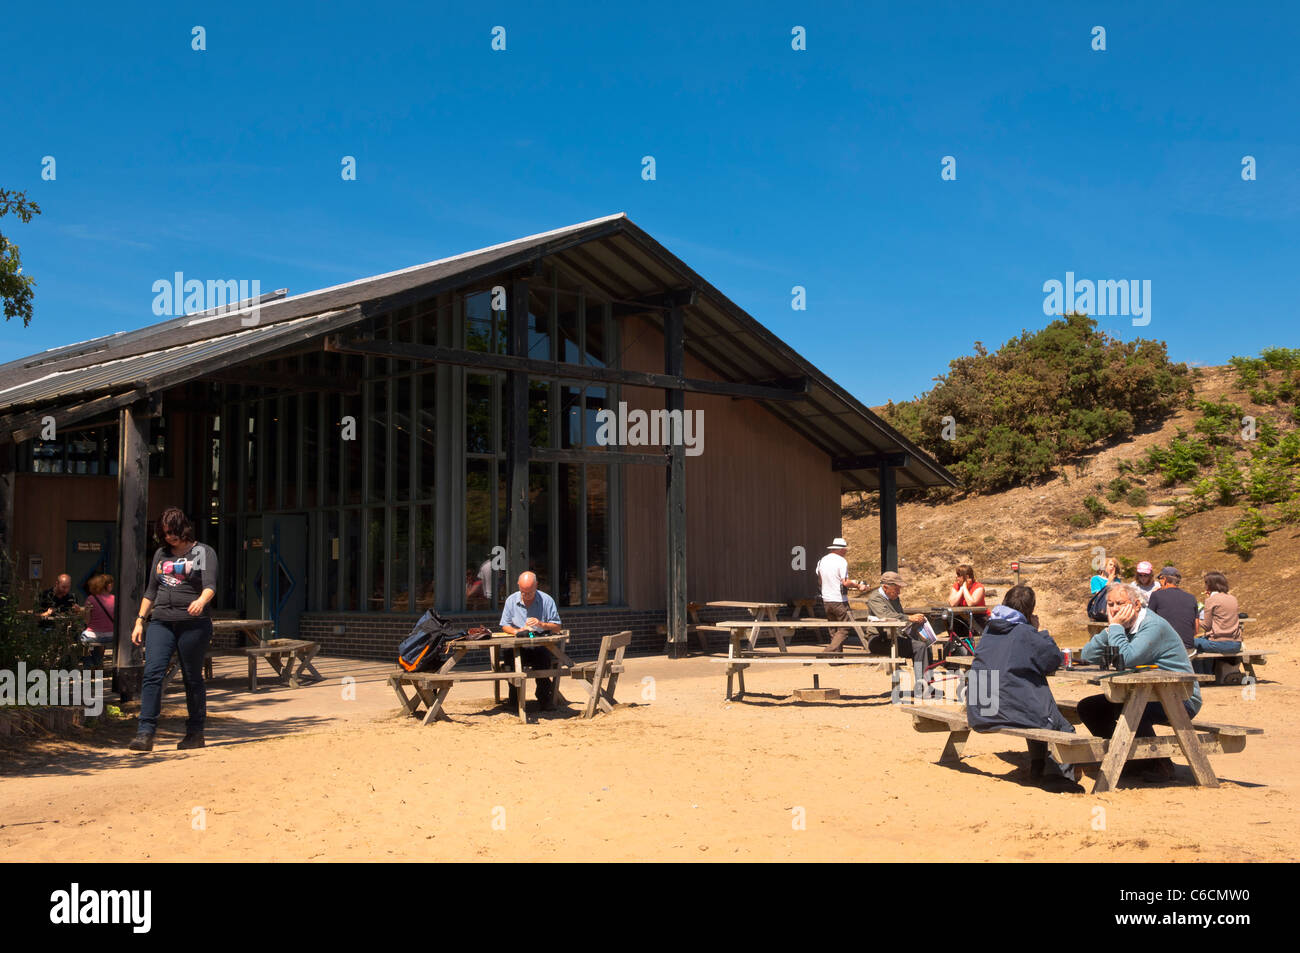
(1030, 524)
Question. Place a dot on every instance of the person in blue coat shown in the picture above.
(1008, 679)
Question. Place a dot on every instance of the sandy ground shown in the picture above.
(674, 773)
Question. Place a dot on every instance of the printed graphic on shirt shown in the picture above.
(176, 572)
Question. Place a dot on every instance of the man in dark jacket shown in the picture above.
(1008, 680)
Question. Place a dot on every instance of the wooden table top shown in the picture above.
(1095, 676)
(499, 640)
(241, 624)
(746, 605)
(811, 624)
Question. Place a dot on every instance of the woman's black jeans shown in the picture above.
(190, 639)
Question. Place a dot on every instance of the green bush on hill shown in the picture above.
(1256, 465)
(1040, 399)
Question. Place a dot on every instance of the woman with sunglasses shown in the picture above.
(177, 606)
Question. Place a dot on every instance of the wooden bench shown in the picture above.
(1069, 748)
(803, 607)
(280, 654)
(694, 627)
(432, 688)
(737, 663)
(600, 677)
(1228, 665)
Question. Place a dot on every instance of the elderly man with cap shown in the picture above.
(1146, 580)
(833, 578)
(883, 603)
(1176, 606)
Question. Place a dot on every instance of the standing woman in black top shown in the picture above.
(182, 585)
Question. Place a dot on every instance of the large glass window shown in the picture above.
(400, 577)
(597, 535)
(91, 451)
(425, 447)
(485, 329)
(377, 440)
(362, 461)
(425, 566)
(402, 440)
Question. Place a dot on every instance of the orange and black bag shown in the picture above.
(423, 649)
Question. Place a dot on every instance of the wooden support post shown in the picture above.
(516, 411)
(132, 543)
(8, 478)
(675, 400)
(888, 519)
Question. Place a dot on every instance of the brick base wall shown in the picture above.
(377, 635)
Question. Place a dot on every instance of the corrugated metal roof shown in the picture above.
(190, 328)
(168, 366)
(610, 253)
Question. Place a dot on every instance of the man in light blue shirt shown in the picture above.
(530, 611)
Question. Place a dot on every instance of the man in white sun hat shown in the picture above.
(833, 578)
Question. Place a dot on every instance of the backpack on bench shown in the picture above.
(1097, 606)
(424, 649)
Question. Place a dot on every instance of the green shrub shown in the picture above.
(1040, 400)
(1220, 421)
(1137, 497)
(22, 639)
(1158, 529)
(1281, 358)
(1184, 459)
(1127, 567)
(1266, 482)
(1116, 489)
(1227, 480)
(1095, 507)
(1200, 499)
(1248, 370)
(1080, 520)
(1287, 513)
(1244, 535)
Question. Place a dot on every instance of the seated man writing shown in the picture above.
(883, 603)
(1007, 685)
(1142, 638)
(531, 611)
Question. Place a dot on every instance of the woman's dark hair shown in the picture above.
(966, 572)
(1216, 582)
(175, 522)
(1022, 599)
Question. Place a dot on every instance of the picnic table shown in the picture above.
(762, 615)
(739, 657)
(432, 688)
(253, 630)
(283, 655)
(1135, 689)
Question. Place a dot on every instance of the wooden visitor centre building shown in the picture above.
(414, 440)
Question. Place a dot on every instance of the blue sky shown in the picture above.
(775, 168)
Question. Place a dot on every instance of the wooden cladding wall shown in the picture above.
(758, 489)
